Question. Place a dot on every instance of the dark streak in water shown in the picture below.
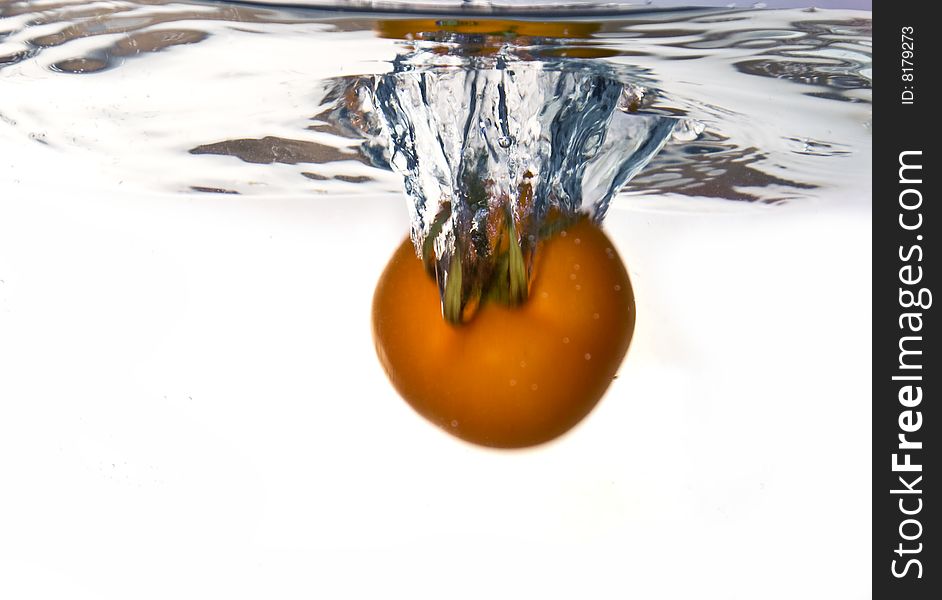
(212, 190)
(269, 150)
(132, 45)
(77, 66)
(353, 178)
(720, 170)
(15, 57)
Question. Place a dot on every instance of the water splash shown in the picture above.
(494, 146)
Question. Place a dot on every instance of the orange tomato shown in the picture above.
(492, 34)
(408, 28)
(512, 376)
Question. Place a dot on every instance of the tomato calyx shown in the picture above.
(504, 280)
(504, 277)
(492, 252)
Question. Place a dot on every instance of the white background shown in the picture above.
(190, 407)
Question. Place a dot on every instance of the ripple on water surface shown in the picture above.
(223, 98)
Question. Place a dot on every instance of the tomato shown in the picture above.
(512, 376)
(493, 34)
(416, 28)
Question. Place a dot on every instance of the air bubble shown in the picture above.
(565, 340)
(688, 130)
(534, 386)
(588, 356)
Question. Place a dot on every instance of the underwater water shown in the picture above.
(196, 202)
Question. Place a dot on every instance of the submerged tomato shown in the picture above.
(503, 28)
(512, 376)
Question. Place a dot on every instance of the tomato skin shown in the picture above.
(513, 376)
(502, 28)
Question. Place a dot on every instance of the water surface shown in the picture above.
(227, 98)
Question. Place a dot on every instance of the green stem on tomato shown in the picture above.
(516, 270)
(453, 301)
